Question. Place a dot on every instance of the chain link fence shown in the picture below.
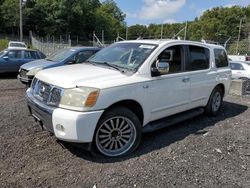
(49, 45)
(239, 48)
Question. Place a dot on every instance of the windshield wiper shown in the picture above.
(116, 67)
(48, 59)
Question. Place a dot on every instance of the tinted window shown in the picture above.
(62, 54)
(172, 55)
(199, 58)
(15, 54)
(83, 56)
(15, 44)
(220, 58)
(236, 66)
(41, 55)
(30, 55)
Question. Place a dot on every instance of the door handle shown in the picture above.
(146, 86)
(186, 80)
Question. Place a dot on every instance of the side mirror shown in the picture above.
(71, 62)
(5, 57)
(161, 67)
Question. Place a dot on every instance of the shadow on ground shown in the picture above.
(12, 75)
(164, 137)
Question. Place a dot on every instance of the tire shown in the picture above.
(215, 102)
(118, 132)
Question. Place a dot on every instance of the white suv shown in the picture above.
(128, 88)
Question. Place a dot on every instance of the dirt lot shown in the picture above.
(202, 152)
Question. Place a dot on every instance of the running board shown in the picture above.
(171, 120)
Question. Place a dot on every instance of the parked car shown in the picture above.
(240, 70)
(243, 58)
(128, 88)
(65, 56)
(12, 59)
(16, 44)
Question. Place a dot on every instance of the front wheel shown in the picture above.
(215, 102)
(118, 132)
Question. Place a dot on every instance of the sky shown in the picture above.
(169, 11)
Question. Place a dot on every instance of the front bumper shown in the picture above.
(67, 125)
(24, 80)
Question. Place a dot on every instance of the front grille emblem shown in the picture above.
(42, 90)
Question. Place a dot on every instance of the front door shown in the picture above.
(169, 93)
(12, 61)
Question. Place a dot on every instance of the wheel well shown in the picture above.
(222, 88)
(132, 105)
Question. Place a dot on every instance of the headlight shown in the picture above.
(79, 98)
(33, 72)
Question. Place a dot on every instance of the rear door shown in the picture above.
(202, 78)
(29, 56)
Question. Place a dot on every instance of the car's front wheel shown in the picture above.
(118, 132)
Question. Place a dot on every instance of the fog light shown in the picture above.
(60, 128)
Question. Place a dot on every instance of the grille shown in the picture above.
(23, 73)
(55, 97)
(46, 93)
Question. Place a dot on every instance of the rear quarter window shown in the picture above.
(221, 59)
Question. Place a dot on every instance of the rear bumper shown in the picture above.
(67, 125)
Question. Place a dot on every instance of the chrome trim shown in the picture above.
(36, 92)
(42, 112)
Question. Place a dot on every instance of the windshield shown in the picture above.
(124, 55)
(3, 52)
(61, 55)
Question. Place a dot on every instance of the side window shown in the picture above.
(198, 59)
(30, 55)
(15, 54)
(175, 60)
(220, 58)
(236, 66)
(83, 56)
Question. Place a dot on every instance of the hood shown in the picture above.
(41, 63)
(87, 75)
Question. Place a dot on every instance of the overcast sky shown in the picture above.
(169, 11)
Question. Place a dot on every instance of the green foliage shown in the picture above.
(3, 44)
(9, 15)
(82, 17)
(60, 17)
(217, 24)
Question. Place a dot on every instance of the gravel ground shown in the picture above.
(202, 152)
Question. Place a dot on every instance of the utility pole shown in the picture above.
(102, 36)
(127, 33)
(185, 35)
(161, 30)
(237, 46)
(21, 20)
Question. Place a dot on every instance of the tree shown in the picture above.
(9, 12)
(110, 19)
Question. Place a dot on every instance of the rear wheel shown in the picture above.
(215, 102)
(118, 132)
